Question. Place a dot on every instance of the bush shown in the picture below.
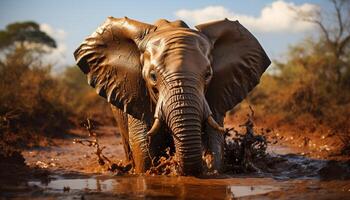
(82, 99)
(29, 103)
(305, 93)
(35, 105)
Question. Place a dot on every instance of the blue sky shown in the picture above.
(70, 22)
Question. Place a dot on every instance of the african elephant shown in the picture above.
(172, 83)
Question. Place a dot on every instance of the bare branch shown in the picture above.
(321, 26)
(314, 18)
(343, 44)
(337, 7)
(336, 41)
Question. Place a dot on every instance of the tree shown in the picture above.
(25, 42)
(30, 108)
(335, 35)
(311, 88)
(22, 32)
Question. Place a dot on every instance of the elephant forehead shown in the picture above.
(178, 46)
(174, 37)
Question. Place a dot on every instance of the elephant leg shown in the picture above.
(215, 145)
(122, 123)
(139, 144)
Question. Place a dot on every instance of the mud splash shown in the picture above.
(103, 160)
(243, 150)
(279, 172)
(286, 175)
(245, 153)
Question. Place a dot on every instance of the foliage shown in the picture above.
(36, 105)
(30, 106)
(307, 84)
(22, 32)
(310, 90)
(82, 99)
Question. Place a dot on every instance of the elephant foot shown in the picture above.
(139, 144)
(214, 150)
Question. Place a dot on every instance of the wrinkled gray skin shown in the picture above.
(172, 84)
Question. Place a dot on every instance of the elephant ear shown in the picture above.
(238, 63)
(110, 58)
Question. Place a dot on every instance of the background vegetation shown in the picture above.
(308, 91)
(35, 104)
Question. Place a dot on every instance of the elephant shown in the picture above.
(170, 85)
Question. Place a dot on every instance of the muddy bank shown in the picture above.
(306, 137)
(65, 155)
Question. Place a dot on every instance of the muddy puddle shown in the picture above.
(165, 187)
(72, 172)
(291, 176)
(157, 187)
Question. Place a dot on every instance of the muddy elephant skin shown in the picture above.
(172, 83)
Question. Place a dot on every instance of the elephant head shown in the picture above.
(185, 78)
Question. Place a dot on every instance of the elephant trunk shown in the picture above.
(184, 114)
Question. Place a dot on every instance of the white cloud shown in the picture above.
(280, 16)
(55, 33)
(57, 56)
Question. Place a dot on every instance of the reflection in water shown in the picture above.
(158, 187)
(76, 184)
(241, 191)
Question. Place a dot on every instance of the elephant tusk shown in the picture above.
(215, 125)
(155, 128)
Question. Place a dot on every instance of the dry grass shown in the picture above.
(305, 94)
(36, 105)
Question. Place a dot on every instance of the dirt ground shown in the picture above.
(65, 155)
(307, 138)
(71, 171)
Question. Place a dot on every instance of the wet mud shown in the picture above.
(77, 186)
(72, 171)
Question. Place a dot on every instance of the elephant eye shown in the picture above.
(208, 74)
(153, 76)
